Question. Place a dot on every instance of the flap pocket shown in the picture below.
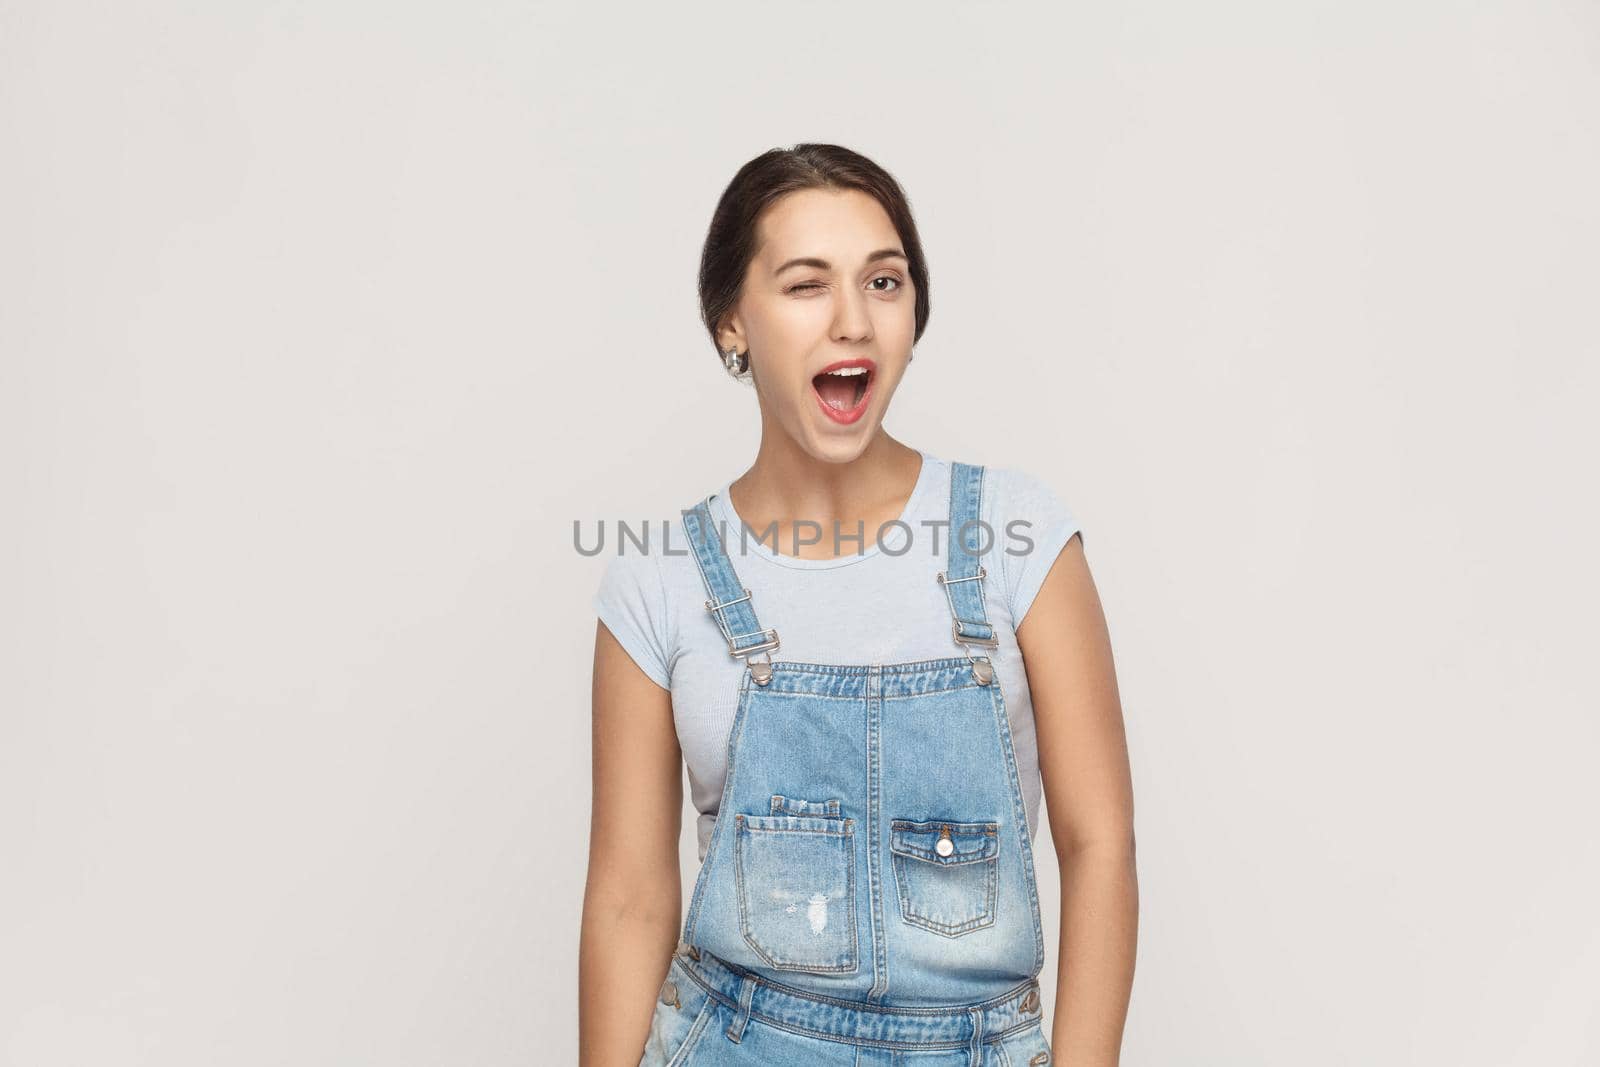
(947, 873)
(968, 842)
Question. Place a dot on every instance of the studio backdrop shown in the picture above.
(324, 324)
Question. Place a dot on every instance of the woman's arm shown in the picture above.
(632, 900)
(1083, 761)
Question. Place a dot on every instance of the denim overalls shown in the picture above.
(868, 895)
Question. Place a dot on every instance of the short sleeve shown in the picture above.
(1033, 526)
(632, 604)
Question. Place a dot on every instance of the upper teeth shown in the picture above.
(848, 371)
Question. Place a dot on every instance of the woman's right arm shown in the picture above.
(633, 899)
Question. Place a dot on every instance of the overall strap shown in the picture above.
(730, 601)
(963, 575)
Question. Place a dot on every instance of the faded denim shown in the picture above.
(868, 896)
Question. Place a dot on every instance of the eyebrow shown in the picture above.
(822, 264)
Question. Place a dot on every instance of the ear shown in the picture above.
(731, 335)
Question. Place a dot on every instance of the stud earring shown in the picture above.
(736, 362)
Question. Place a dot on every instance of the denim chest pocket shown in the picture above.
(796, 882)
(948, 873)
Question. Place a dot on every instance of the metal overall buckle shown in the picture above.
(982, 669)
(760, 671)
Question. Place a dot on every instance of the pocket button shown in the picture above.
(669, 994)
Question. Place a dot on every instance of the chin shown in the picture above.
(843, 448)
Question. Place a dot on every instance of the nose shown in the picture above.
(850, 319)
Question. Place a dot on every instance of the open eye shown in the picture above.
(886, 278)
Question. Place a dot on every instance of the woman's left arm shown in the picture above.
(1083, 761)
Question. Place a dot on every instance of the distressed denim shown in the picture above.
(868, 896)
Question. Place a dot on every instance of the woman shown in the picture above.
(871, 660)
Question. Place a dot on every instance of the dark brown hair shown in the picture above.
(731, 239)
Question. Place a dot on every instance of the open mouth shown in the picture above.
(842, 390)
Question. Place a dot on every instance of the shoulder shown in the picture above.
(628, 568)
(645, 552)
(1015, 494)
(1031, 523)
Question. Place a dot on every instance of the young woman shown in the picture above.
(870, 659)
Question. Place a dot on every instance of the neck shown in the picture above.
(786, 484)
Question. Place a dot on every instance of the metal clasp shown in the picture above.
(955, 622)
(981, 669)
(733, 639)
(987, 642)
(969, 578)
(765, 646)
(761, 672)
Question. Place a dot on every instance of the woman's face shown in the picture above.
(829, 289)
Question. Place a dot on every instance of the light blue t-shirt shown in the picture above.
(879, 605)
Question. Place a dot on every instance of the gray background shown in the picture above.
(322, 323)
